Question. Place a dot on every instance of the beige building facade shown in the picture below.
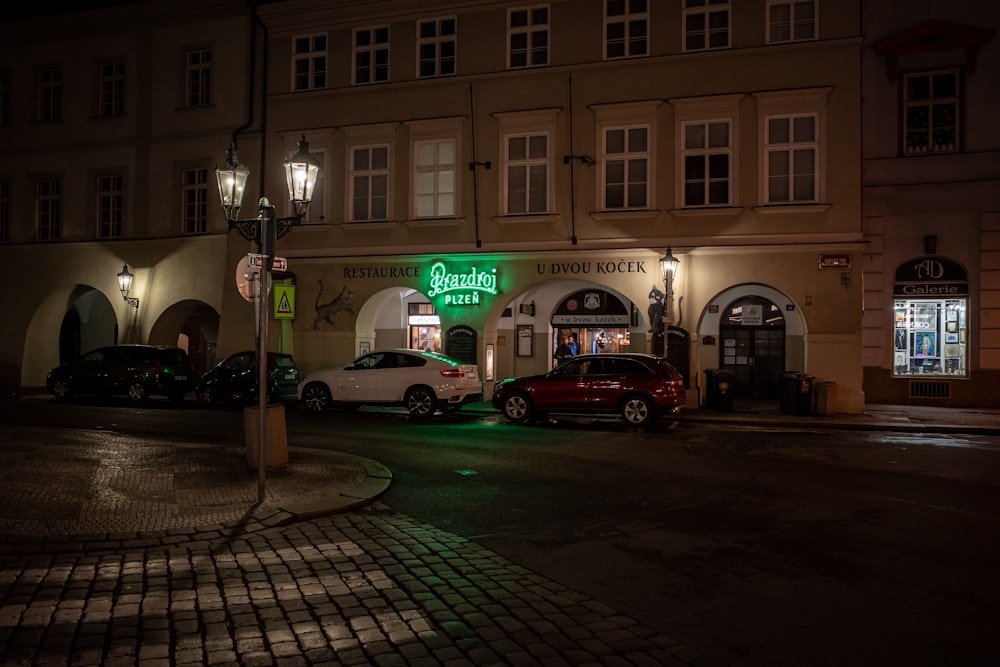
(932, 203)
(492, 173)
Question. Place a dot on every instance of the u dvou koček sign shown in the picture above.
(461, 288)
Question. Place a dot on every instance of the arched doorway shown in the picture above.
(752, 335)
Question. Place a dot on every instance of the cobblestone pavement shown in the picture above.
(369, 587)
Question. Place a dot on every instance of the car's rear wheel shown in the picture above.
(61, 390)
(316, 397)
(137, 392)
(637, 410)
(205, 396)
(421, 402)
(517, 408)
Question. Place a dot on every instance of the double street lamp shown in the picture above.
(668, 268)
(301, 172)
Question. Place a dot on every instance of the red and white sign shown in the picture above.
(277, 263)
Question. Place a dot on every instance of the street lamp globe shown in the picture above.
(668, 265)
(232, 179)
(301, 171)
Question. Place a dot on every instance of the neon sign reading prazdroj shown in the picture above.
(461, 289)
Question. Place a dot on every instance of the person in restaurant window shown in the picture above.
(563, 351)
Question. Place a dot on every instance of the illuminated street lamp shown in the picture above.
(301, 172)
(668, 269)
(125, 285)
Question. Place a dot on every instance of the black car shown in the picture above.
(137, 371)
(234, 380)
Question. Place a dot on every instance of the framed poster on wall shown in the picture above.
(525, 337)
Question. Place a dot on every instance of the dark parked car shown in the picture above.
(637, 387)
(234, 380)
(136, 371)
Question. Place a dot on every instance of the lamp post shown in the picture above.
(125, 285)
(668, 268)
(301, 171)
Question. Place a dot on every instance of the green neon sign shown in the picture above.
(461, 289)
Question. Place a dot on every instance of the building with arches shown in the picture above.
(492, 174)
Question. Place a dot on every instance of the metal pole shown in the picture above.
(266, 247)
(668, 314)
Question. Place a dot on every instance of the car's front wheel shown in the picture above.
(637, 410)
(517, 408)
(316, 397)
(137, 392)
(421, 402)
(61, 390)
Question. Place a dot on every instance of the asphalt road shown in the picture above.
(755, 546)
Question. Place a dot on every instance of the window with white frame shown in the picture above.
(528, 37)
(369, 183)
(791, 20)
(309, 62)
(791, 158)
(48, 210)
(526, 173)
(194, 201)
(931, 112)
(626, 160)
(110, 206)
(112, 89)
(626, 28)
(706, 24)
(434, 178)
(436, 47)
(198, 66)
(50, 94)
(707, 158)
(371, 54)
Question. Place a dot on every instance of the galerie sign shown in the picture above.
(461, 288)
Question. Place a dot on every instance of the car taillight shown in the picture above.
(453, 373)
(157, 368)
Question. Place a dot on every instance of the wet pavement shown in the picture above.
(123, 551)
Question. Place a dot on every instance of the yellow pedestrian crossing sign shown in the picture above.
(284, 302)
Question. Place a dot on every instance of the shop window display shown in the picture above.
(930, 337)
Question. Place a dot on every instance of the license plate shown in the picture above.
(180, 377)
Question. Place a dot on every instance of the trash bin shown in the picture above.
(796, 393)
(718, 392)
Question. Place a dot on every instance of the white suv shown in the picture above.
(421, 381)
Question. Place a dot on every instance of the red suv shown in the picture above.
(637, 387)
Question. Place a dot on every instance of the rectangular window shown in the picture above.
(50, 94)
(626, 28)
(626, 167)
(930, 337)
(527, 173)
(194, 201)
(371, 54)
(706, 24)
(434, 178)
(931, 112)
(369, 183)
(309, 62)
(48, 210)
(110, 207)
(707, 157)
(436, 45)
(791, 21)
(112, 89)
(198, 67)
(528, 37)
(4, 212)
(792, 150)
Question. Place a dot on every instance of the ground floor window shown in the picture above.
(425, 327)
(930, 337)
